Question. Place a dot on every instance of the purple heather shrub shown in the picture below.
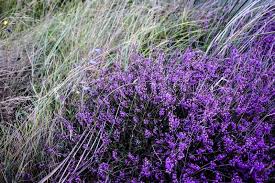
(183, 117)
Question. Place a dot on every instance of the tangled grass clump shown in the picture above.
(180, 118)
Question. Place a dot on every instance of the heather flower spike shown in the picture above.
(185, 117)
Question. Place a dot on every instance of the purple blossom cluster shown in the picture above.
(178, 118)
(185, 117)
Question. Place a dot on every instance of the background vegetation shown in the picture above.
(46, 48)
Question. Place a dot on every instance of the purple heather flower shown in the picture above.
(173, 122)
(103, 170)
(175, 118)
(114, 155)
(169, 165)
(146, 168)
(147, 133)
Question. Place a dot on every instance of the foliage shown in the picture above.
(50, 51)
(181, 118)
